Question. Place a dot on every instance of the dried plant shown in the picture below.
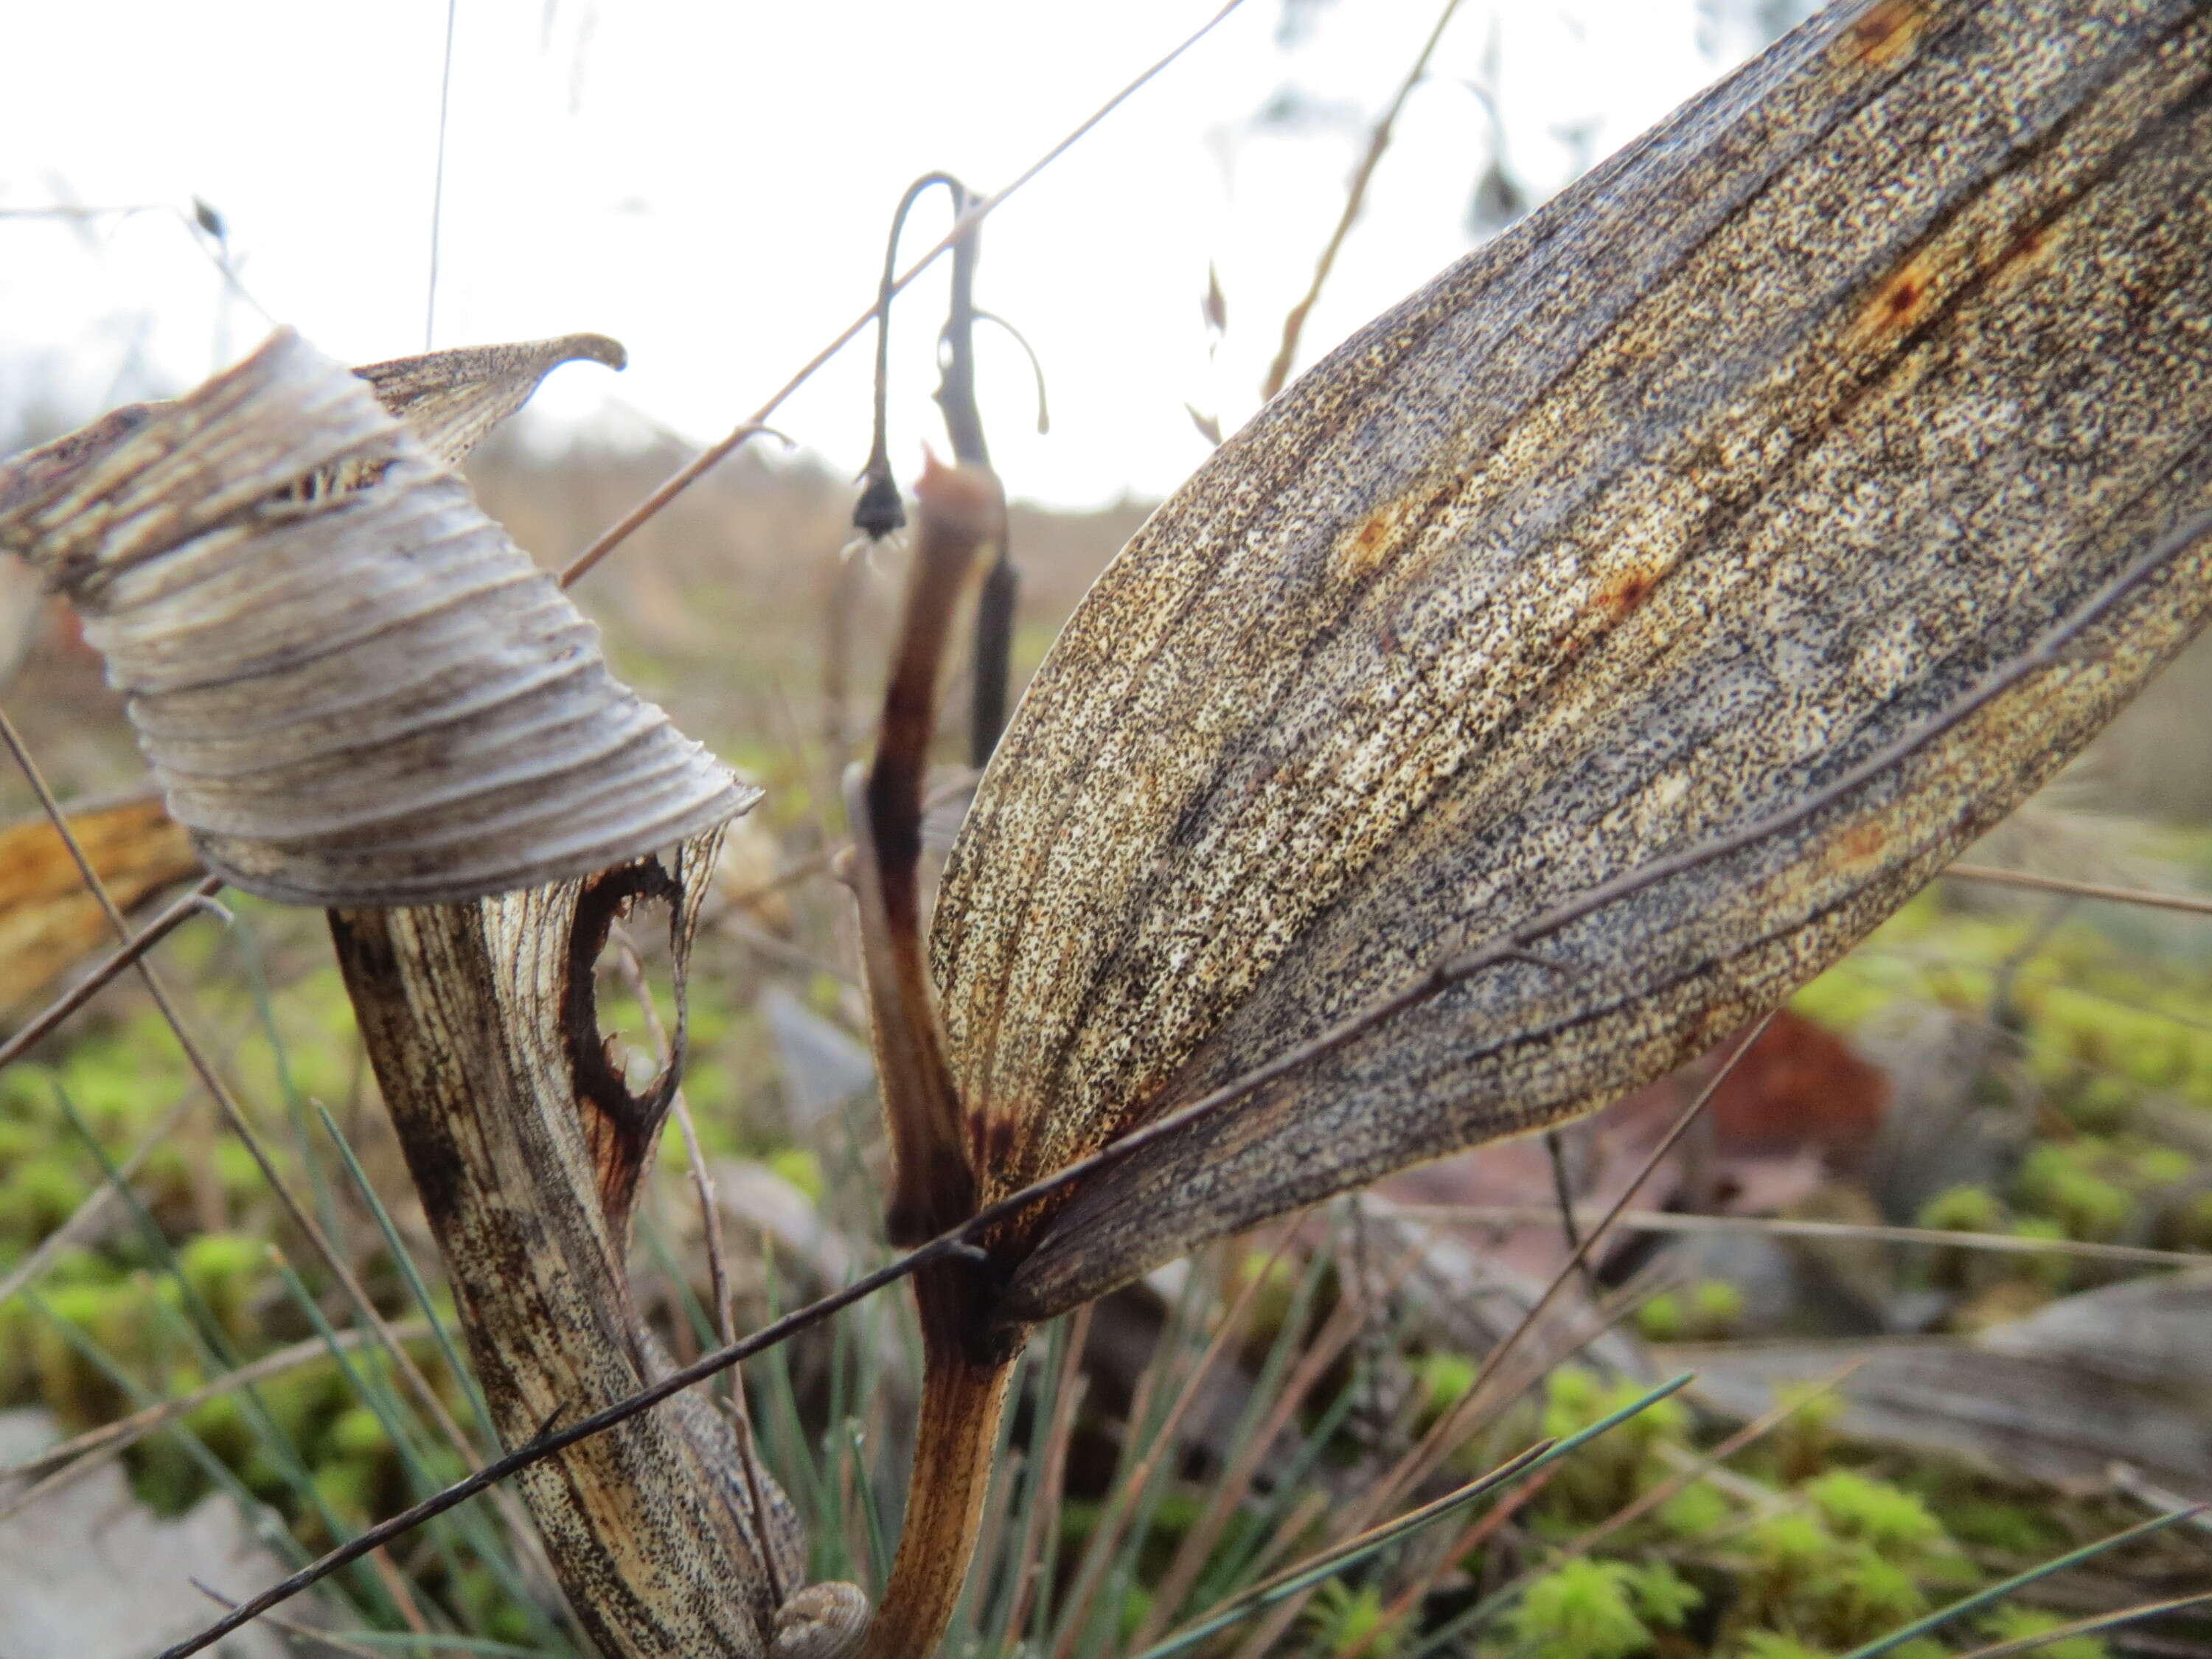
(1574, 663)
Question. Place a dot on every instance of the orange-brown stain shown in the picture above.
(1860, 844)
(1902, 302)
(1362, 553)
(992, 1137)
(2028, 253)
(1885, 34)
(1624, 595)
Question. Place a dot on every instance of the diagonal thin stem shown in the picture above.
(683, 479)
(1294, 324)
(98, 980)
(1941, 1616)
(1292, 1580)
(2088, 1627)
(2190, 903)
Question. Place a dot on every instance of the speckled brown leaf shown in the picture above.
(1751, 452)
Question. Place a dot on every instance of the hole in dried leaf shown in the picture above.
(634, 981)
(622, 1013)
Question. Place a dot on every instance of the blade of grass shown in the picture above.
(2088, 1627)
(1241, 1458)
(95, 1446)
(195, 1055)
(471, 1526)
(1700, 1469)
(419, 1292)
(1132, 1482)
(81, 1219)
(1354, 1550)
(879, 1549)
(1997, 1592)
(1033, 1619)
(198, 1323)
(379, 1403)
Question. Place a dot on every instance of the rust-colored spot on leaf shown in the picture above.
(1901, 303)
(1885, 34)
(1862, 844)
(1625, 594)
(1363, 552)
(2028, 253)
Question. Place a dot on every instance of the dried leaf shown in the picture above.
(451, 399)
(482, 1024)
(48, 921)
(1712, 480)
(353, 688)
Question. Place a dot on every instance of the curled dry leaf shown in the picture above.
(1642, 527)
(353, 688)
(450, 400)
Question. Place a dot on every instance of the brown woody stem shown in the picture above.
(933, 1183)
(964, 1392)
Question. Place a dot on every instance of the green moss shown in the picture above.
(1342, 1618)
(1444, 1380)
(225, 1271)
(1663, 1318)
(1716, 1305)
(2161, 1166)
(1867, 1595)
(1583, 1610)
(2012, 1623)
(359, 1433)
(800, 1168)
(1892, 1523)
(1788, 1548)
(1695, 1510)
(348, 1490)
(40, 1195)
(2059, 1181)
(2020, 1529)
(221, 1425)
(1773, 1645)
(1962, 1210)
(1662, 1596)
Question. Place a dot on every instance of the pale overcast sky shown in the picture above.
(710, 184)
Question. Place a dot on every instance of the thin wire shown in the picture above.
(438, 177)
(683, 478)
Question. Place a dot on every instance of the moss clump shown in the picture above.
(1342, 1618)
(1591, 1609)
(226, 1271)
(1614, 1468)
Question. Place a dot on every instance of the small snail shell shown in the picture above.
(353, 689)
(822, 1622)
